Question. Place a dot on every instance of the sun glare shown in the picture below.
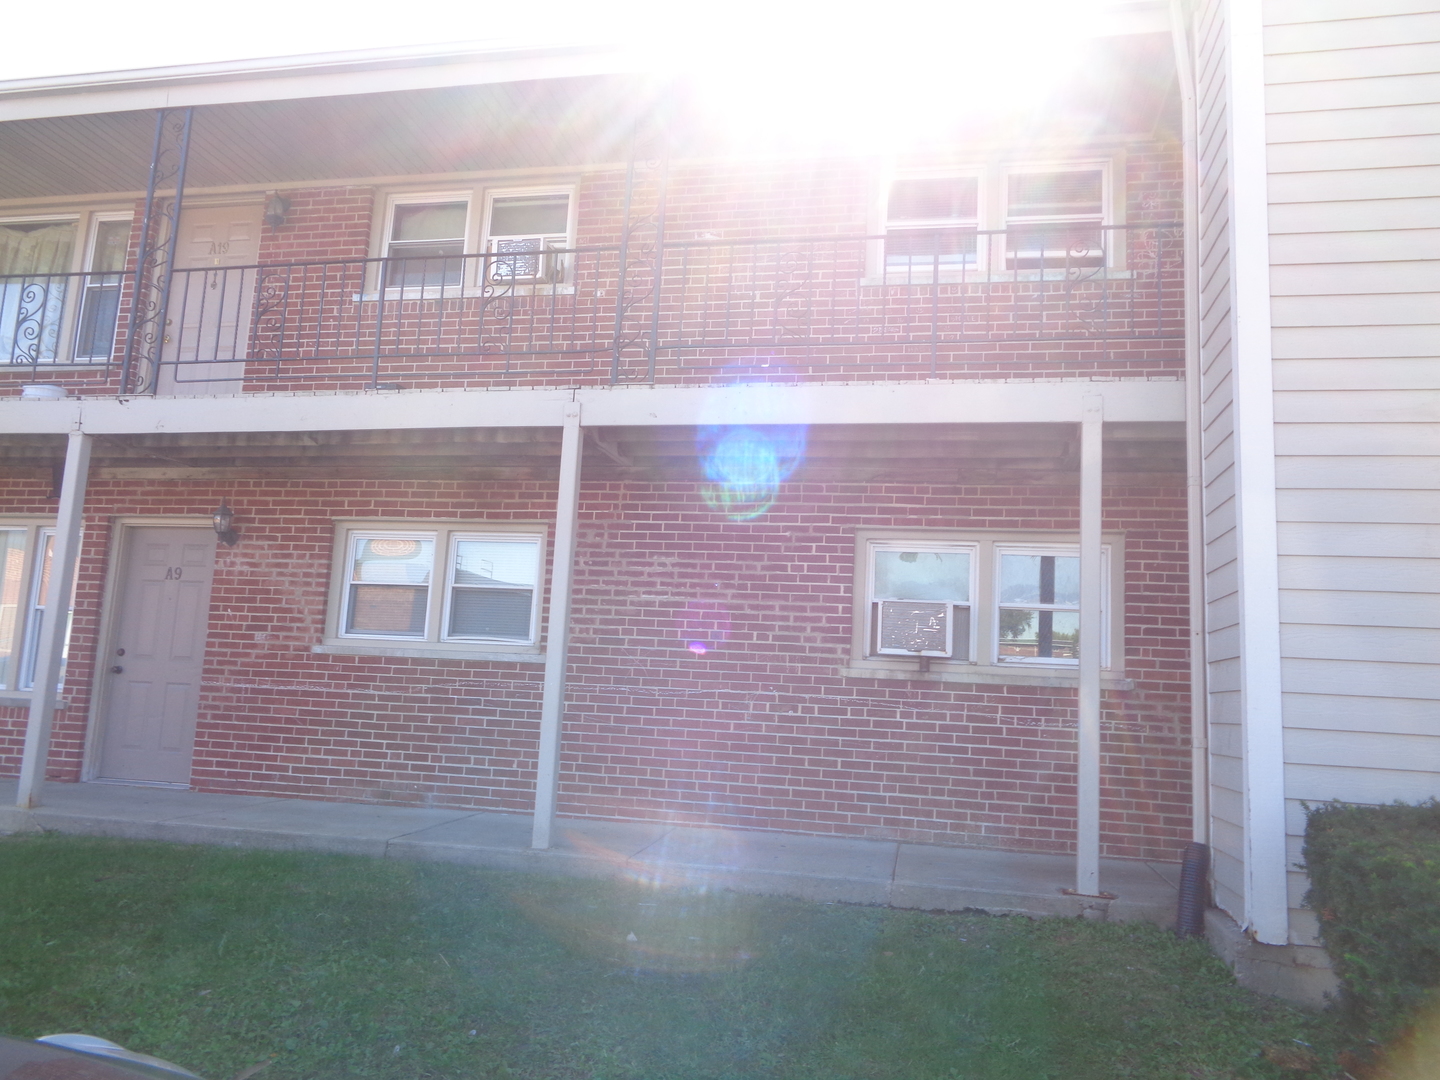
(845, 73)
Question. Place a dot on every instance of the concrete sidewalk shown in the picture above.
(786, 864)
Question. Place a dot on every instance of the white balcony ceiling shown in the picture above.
(1124, 90)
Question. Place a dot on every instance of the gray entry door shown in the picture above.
(156, 654)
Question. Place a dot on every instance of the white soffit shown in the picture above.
(405, 68)
(287, 78)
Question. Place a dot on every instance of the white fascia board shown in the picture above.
(896, 403)
(288, 78)
(1262, 731)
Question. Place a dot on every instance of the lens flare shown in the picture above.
(744, 466)
(704, 625)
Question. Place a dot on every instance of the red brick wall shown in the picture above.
(312, 329)
(328, 223)
(760, 732)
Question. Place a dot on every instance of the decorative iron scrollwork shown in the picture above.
(29, 331)
(155, 265)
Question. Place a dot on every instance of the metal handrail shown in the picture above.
(864, 301)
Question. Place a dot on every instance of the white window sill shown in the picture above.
(949, 671)
(432, 651)
(12, 698)
(1001, 277)
(468, 292)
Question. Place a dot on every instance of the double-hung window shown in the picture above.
(425, 242)
(451, 585)
(100, 289)
(932, 228)
(524, 233)
(982, 602)
(436, 244)
(1037, 605)
(26, 549)
(1054, 219)
(36, 258)
(920, 599)
(59, 299)
(999, 222)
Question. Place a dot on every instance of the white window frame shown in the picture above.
(387, 231)
(435, 642)
(1110, 238)
(87, 223)
(983, 663)
(87, 266)
(26, 627)
(873, 601)
(479, 199)
(557, 267)
(1071, 550)
(976, 269)
(991, 256)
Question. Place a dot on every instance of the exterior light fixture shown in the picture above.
(276, 207)
(223, 518)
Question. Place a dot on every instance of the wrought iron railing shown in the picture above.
(840, 304)
(50, 318)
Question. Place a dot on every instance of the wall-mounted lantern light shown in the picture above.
(223, 518)
(276, 207)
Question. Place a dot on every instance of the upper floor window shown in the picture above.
(59, 298)
(1053, 219)
(100, 295)
(931, 226)
(522, 233)
(438, 243)
(425, 241)
(999, 221)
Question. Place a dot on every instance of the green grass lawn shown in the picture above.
(349, 967)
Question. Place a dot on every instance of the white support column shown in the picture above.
(1257, 542)
(52, 631)
(1087, 786)
(557, 629)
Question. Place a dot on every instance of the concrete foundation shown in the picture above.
(1300, 974)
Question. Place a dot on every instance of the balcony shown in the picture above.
(821, 308)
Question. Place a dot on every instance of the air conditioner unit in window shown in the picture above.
(530, 259)
(914, 628)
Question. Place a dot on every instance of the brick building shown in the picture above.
(579, 453)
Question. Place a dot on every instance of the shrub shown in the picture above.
(1375, 884)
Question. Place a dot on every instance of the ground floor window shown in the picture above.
(987, 599)
(26, 549)
(453, 583)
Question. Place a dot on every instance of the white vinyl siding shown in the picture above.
(1353, 114)
(1222, 618)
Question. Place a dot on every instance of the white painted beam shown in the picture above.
(557, 630)
(1087, 784)
(815, 403)
(51, 649)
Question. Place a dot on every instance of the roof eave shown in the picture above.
(314, 75)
